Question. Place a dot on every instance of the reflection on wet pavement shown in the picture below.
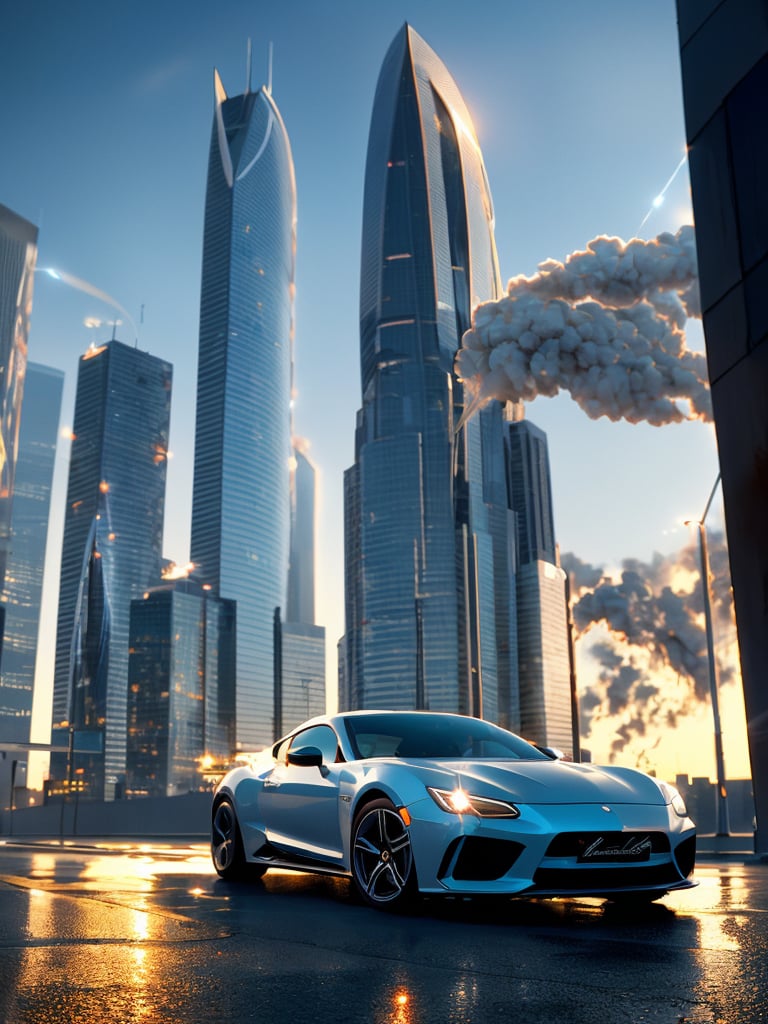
(148, 934)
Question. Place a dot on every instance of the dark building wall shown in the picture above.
(724, 61)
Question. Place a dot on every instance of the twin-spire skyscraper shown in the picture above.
(433, 508)
(245, 519)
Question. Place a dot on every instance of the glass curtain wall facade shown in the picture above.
(724, 58)
(301, 575)
(112, 549)
(300, 681)
(22, 596)
(241, 506)
(428, 559)
(18, 254)
(181, 688)
(545, 710)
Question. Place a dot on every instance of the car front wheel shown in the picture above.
(382, 859)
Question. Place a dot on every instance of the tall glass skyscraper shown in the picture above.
(241, 506)
(544, 712)
(22, 594)
(301, 575)
(18, 253)
(429, 536)
(112, 549)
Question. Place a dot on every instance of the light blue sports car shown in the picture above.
(409, 802)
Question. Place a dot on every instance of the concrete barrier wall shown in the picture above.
(188, 815)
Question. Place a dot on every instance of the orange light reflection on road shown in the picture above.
(714, 905)
(402, 1013)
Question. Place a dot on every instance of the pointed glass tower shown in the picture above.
(429, 536)
(240, 509)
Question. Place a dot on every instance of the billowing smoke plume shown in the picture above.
(607, 326)
(651, 652)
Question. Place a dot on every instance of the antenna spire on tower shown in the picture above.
(248, 69)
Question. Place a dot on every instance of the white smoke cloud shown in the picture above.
(607, 325)
(648, 639)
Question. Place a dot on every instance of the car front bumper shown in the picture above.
(553, 850)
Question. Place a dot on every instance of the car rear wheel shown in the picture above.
(382, 859)
(226, 843)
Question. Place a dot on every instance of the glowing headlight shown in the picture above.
(673, 798)
(457, 801)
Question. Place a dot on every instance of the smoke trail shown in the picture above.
(89, 289)
(606, 325)
(652, 629)
(660, 197)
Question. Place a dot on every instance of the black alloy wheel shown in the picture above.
(382, 859)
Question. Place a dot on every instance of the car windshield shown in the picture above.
(435, 736)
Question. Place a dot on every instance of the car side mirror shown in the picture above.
(306, 757)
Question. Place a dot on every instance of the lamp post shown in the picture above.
(721, 804)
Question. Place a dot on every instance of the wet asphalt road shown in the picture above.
(151, 934)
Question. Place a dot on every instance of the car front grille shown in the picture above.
(576, 844)
(603, 862)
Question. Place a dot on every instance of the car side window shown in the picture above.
(321, 736)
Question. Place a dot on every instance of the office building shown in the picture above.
(181, 687)
(299, 673)
(724, 58)
(544, 712)
(111, 553)
(18, 254)
(429, 536)
(241, 495)
(301, 574)
(299, 644)
(23, 590)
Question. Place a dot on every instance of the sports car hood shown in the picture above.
(554, 782)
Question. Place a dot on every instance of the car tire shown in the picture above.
(226, 842)
(382, 859)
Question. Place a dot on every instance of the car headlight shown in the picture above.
(674, 799)
(458, 801)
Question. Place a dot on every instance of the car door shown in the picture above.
(300, 805)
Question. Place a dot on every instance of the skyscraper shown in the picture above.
(180, 687)
(18, 253)
(301, 576)
(545, 712)
(724, 57)
(429, 536)
(240, 506)
(299, 673)
(29, 532)
(299, 643)
(112, 548)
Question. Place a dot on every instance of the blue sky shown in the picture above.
(105, 121)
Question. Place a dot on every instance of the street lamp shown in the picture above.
(721, 804)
